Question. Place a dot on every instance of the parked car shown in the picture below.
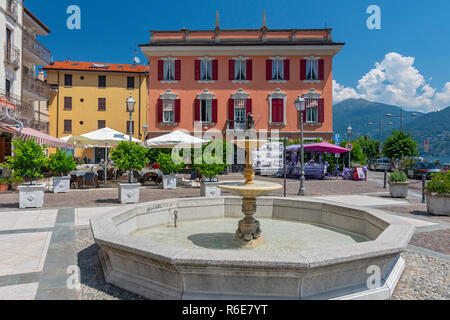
(417, 170)
(379, 164)
(446, 166)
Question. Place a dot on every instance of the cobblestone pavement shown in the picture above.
(437, 241)
(418, 210)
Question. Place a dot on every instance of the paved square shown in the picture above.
(19, 292)
(83, 215)
(23, 252)
(24, 220)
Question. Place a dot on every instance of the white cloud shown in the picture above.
(395, 81)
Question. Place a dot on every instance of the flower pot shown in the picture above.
(169, 182)
(129, 192)
(61, 184)
(31, 196)
(4, 186)
(209, 189)
(398, 189)
(438, 203)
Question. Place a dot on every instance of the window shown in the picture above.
(206, 70)
(8, 87)
(102, 81)
(130, 83)
(67, 126)
(67, 103)
(168, 110)
(312, 110)
(277, 108)
(67, 80)
(240, 70)
(101, 124)
(312, 70)
(206, 111)
(277, 70)
(169, 71)
(101, 104)
(128, 127)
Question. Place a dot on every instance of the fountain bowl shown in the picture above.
(171, 270)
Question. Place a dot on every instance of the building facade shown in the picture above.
(215, 79)
(90, 96)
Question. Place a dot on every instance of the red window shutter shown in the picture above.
(215, 70)
(249, 70)
(177, 70)
(249, 106)
(231, 109)
(160, 110)
(160, 70)
(280, 110)
(321, 69)
(287, 69)
(177, 110)
(277, 110)
(231, 69)
(214, 111)
(268, 70)
(197, 70)
(197, 110)
(302, 70)
(321, 110)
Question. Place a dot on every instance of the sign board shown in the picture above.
(349, 146)
(337, 139)
(426, 145)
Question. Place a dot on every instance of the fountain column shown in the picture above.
(249, 234)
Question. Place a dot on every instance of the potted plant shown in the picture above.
(438, 194)
(27, 162)
(398, 184)
(4, 184)
(210, 169)
(15, 182)
(169, 170)
(129, 156)
(61, 164)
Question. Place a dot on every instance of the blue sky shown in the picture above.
(415, 32)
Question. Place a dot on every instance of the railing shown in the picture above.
(12, 56)
(36, 86)
(11, 9)
(236, 125)
(23, 110)
(37, 48)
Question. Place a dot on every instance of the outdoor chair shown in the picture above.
(89, 178)
(101, 175)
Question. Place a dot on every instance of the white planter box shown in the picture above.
(61, 184)
(398, 189)
(209, 189)
(438, 204)
(129, 192)
(170, 182)
(31, 196)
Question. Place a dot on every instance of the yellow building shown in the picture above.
(90, 96)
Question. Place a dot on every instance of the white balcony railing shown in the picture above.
(36, 86)
(30, 43)
(12, 56)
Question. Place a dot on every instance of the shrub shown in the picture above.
(4, 180)
(440, 183)
(28, 159)
(167, 166)
(398, 176)
(129, 156)
(61, 163)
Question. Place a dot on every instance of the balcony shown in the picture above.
(36, 48)
(37, 87)
(236, 125)
(12, 56)
(12, 9)
(19, 109)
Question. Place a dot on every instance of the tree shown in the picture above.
(28, 159)
(61, 163)
(357, 154)
(129, 156)
(400, 145)
(370, 147)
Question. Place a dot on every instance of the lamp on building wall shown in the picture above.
(130, 108)
(300, 105)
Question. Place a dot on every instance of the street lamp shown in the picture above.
(300, 105)
(389, 115)
(130, 108)
(349, 132)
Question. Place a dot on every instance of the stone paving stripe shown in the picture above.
(26, 231)
(429, 252)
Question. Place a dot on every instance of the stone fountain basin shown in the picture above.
(160, 271)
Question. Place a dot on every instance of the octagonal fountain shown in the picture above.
(188, 248)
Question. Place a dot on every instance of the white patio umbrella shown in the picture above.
(175, 139)
(80, 142)
(108, 137)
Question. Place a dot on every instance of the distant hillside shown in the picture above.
(358, 113)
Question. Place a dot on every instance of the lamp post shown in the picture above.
(380, 149)
(349, 132)
(401, 117)
(300, 105)
(130, 108)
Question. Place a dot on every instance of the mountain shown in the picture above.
(358, 113)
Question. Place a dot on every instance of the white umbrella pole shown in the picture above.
(106, 164)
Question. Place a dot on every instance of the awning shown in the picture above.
(42, 138)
